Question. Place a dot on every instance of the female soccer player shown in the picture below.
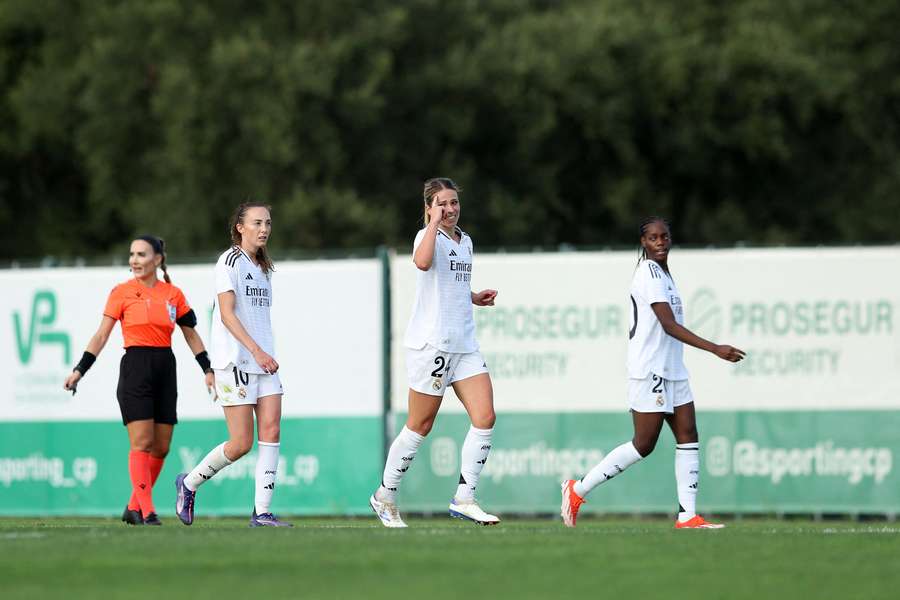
(442, 351)
(246, 373)
(149, 309)
(658, 388)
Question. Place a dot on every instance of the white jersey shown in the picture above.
(442, 312)
(235, 272)
(650, 348)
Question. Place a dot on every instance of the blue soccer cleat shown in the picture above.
(266, 520)
(184, 500)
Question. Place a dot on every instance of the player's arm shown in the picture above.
(423, 255)
(95, 345)
(236, 328)
(663, 312)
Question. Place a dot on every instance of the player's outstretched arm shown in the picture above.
(663, 312)
(236, 328)
(95, 345)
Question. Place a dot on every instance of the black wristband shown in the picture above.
(203, 361)
(87, 360)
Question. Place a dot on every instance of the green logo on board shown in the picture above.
(39, 330)
(705, 314)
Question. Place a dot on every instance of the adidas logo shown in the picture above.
(249, 276)
(453, 253)
(205, 477)
(271, 486)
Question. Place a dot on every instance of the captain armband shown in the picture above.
(203, 361)
(87, 360)
(188, 319)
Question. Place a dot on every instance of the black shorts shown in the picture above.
(147, 385)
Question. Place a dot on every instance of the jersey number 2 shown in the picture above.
(441, 363)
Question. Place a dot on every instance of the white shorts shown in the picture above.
(655, 394)
(430, 370)
(234, 387)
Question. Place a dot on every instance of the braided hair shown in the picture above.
(643, 230)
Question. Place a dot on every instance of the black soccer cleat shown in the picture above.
(152, 519)
(132, 517)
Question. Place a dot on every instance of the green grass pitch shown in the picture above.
(620, 558)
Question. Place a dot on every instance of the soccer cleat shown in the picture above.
(470, 511)
(266, 520)
(697, 522)
(132, 517)
(571, 503)
(152, 519)
(184, 500)
(387, 512)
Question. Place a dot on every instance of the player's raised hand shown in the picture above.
(435, 213)
(71, 382)
(484, 297)
(729, 353)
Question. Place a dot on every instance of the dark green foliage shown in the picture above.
(565, 121)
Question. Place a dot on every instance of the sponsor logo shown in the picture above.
(39, 330)
(453, 253)
(249, 276)
(173, 311)
(539, 460)
(746, 458)
(49, 469)
(705, 314)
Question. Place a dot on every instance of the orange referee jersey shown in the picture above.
(147, 314)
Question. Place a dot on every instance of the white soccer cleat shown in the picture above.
(470, 511)
(387, 512)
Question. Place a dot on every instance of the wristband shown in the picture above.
(87, 360)
(203, 361)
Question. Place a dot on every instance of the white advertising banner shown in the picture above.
(328, 343)
(820, 328)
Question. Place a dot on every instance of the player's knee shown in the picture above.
(422, 427)
(688, 435)
(270, 433)
(485, 421)
(239, 447)
(160, 450)
(644, 445)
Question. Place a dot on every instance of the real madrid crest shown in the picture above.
(242, 392)
(436, 384)
(659, 400)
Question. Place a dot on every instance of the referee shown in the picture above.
(149, 309)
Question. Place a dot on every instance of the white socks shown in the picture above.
(619, 459)
(400, 457)
(475, 451)
(266, 471)
(687, 476)
(211, 464)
